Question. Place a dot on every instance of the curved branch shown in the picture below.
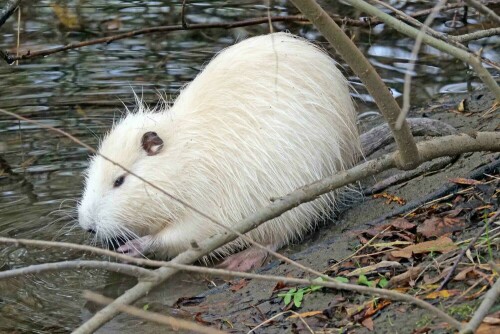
(120, 268)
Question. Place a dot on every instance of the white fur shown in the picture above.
(266, 116)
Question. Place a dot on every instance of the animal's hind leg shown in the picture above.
(246, 260)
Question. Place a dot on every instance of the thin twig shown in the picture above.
(413, 58)
(121, 268)
(153, 316)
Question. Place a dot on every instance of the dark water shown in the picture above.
(81, 91)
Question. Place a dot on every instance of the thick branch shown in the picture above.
(7, 10)
(388, 106)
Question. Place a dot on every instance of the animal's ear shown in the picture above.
(151, 143)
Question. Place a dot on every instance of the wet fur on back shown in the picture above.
(265, 117)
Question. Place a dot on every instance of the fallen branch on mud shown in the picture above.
(176, 266)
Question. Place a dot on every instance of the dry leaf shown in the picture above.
(461, 106)
(368, 323)
(384, 245)
(487, 329)
(401, 223)
(461, 180)
(441, 245)
(390, 198)
(238, 285)
(436, 226)
(442, 294)
(405, 277)
(374, 267)
(376, 306)
(305, 314)
(491, 321)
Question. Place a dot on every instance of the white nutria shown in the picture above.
(265, 117)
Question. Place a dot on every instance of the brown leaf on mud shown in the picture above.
(368, 323)
(377, 306)
(401, 224)
(200, 320)
(441, 245)
(433, 280)
(305, 314)
(373, 268)
(464, 274)
(390, 198)
(487, 329)
(461, 180)
(492, 319)
(280, 285)
(404, 278)
(442, 294)
(238, 285)
(437, 226)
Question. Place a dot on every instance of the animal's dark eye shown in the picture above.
(119, 181)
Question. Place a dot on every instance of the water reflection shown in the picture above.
(82, 91)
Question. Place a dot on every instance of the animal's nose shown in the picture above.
(91, 230)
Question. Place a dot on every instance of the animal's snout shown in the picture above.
(91, 230)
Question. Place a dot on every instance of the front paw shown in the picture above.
(136, 247)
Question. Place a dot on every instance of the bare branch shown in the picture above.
(476, 35)
(121, 268)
